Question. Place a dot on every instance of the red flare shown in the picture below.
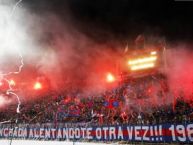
(37, 86)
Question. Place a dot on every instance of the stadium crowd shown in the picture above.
(133, 102)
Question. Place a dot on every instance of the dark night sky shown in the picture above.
(123, 19)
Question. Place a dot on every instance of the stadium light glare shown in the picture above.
(142, 66)
(110, 78)
(37, 86)
(142, 60)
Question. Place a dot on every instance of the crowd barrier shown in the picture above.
(135, 133)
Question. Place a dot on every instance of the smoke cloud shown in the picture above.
(180, 71)
(54, 49)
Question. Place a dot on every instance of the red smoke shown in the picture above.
(180, 71)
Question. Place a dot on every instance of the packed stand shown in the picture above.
(132, 102)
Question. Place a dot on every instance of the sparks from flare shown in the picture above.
(15, 7)
(4, 75)
(11, 83)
